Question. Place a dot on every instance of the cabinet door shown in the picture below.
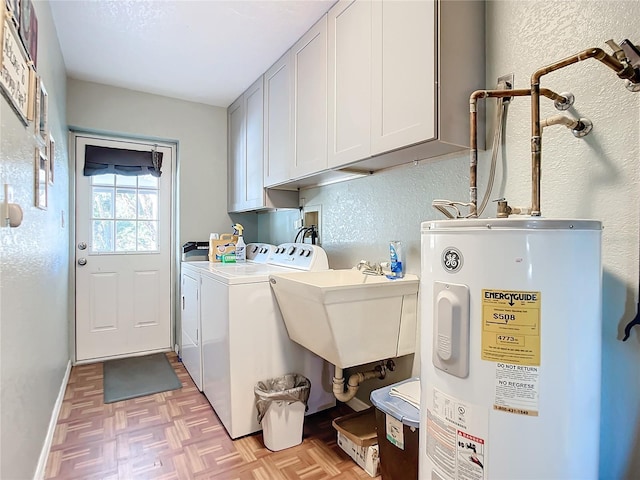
(403, 62)
(310, 104)
(278, 126)
(190, 351)
(236, 181)
(254, 124)
(349, 82)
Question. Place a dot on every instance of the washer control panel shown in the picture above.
(301, 256)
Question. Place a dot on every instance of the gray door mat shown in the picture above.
(133, 377)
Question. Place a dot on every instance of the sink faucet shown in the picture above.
(368, 269)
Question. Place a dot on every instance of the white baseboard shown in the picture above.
(42, 461)
(357, 404)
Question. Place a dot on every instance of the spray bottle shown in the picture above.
(241, 247)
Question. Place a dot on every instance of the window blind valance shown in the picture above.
(101, 160)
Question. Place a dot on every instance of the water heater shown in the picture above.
(510, 349)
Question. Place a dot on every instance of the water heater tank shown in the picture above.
(510, 349)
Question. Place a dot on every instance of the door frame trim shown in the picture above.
(173, 228)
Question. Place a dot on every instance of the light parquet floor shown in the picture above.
(177, 435)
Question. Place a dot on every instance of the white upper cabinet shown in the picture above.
(381, 77)
(246, 189)
(399, 78)
(403, 66)
(278, 124)
(254, 121)
(310, 101)
(349, 82)
(373, 84)
(236, 188)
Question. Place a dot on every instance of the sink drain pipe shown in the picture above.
(356, 379)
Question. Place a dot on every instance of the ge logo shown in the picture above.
(452, 259)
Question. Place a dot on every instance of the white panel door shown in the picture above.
(123, 257)
(403, 62)
(349, 82)
(310, 119)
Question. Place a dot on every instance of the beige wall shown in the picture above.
(34, 263)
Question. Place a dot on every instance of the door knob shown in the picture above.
(82, 261)
(82, 246)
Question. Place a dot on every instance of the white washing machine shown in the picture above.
(244, 339)
(194, 255)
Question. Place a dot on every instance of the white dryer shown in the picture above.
(244, 339)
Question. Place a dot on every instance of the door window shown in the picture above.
(124, 213)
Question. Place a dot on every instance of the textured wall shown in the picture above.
(34, 263)
(595, 178)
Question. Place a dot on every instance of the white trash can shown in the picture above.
(281, 403)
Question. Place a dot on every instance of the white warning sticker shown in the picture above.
(395, 432)
(456, 437)
(517, 389)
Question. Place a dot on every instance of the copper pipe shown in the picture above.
(473, 128)
(622, 70)
(556, 97)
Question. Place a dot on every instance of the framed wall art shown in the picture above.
(15, 69)
(29, 29)
(40, 112)
(41, 183)
(14, 9)
(51, 155)
(42, 125)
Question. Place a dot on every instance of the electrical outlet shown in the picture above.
(506, 82)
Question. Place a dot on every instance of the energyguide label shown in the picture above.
(511, 326)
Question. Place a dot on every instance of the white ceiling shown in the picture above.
(206, 51)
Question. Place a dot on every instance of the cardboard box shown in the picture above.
(366, 457)
(357, 437)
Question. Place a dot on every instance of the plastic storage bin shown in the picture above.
(281, 403)
(397, 424)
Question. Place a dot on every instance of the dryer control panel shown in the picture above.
(301, 256)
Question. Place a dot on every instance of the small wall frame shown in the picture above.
(41, 183)
(41, 112)
(51, 155)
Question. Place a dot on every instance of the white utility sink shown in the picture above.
(346, 317)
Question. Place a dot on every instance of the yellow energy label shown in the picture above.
(511, 326)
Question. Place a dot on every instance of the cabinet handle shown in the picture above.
(183, 302)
